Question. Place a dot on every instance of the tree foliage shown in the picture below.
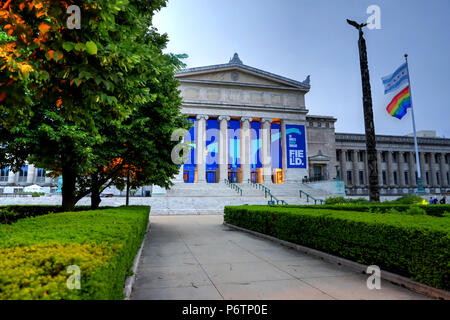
(74, 101)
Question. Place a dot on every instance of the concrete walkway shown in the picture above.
(197, 257)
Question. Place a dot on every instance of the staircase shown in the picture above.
(211, 198)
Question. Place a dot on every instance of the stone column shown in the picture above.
(366, 170)
(401, 173)
(380, 171)
(11, 176)
(265, 148)
(245, 148)
(444, 182)
(283, 148)
(412, 169)
(342, 163)
(201, 148)
(390, 170)
(422, 168)
(433, 170)
(223, 148)
(355, 168)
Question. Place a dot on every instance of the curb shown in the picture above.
(385, 275)
(129, 281)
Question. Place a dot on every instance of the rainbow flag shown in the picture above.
(396, 88)
(400, 104)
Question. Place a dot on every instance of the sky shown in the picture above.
(297, 38)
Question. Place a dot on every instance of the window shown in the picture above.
(383, 156)
(40, 175)
(448, 180)
(349, 177)
(395, 177)
(338, 155)
(427, 156)
(417, 177)
(327, 125)
(319, 124)
(436, 158)
(23, 174)
(405, 157)
(394, 156)
(361, 177)
(349, 155)
(438, 180)
(311, 124)
(4, 172)
(361, 156)
(384, 177)
(427, 176)
(446, 159)
(406, 177)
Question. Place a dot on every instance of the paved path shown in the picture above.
(197, 257)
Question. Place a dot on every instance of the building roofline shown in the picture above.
(236, 63)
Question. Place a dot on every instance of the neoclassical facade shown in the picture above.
(248, 124)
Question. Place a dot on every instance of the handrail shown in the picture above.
(233, 186)
(309, 196)
(267, 192)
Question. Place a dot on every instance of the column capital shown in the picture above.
(202, 116)
(244, 119)
(266, 120)
(227, 118)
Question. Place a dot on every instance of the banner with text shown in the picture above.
(296, 146)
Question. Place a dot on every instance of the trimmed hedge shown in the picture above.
(417, 247)
(12, 213)
(437, 210)
(36, 252)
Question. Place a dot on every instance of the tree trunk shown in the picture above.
(69, 198)
(95, 192)
(128, 188)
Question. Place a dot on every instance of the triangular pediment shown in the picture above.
(235, 76)
(235, 72)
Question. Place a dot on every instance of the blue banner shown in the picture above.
(189, 165)
(275, 147)
(256, 145)
(296, 146)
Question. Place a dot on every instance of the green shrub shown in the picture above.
(413, 246)
(35, 253)
(12, 213)
(342, 200)
(415, 210)
(431, 209)
(409, 199)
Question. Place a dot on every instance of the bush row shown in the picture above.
(413, 246)
(12, 213)
(437, 210)
(35, 253)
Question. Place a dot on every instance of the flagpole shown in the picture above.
(419, 174)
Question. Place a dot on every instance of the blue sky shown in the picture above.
(296, 38)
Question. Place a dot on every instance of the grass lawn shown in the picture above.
(35, 253)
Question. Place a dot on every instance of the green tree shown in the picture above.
(69, 85)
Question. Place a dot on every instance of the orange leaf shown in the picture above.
(40, 14)
(21, 6)
(44, 28)
(2, 96)
(59, 102)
